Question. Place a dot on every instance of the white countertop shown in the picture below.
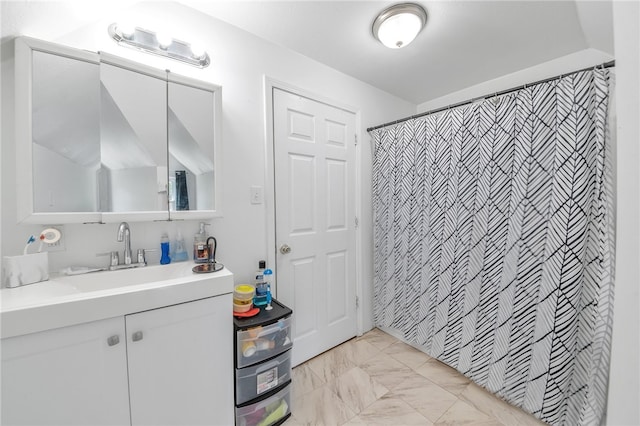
(70, 300)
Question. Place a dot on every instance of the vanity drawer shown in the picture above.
(271, 410)
(262, 342)
(259, 379)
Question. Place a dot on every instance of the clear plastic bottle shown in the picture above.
(180, 254)
(268, 280)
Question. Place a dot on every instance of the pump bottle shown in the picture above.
(200, 248)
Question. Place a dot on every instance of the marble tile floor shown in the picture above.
(376, 379)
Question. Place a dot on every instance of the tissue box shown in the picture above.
(26, 269)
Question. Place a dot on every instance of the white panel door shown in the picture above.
(67, 376)
(314, 163)
(181, 364)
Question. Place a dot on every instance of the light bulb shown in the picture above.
(197, 51)
(164, 40)
(126, 30)
(399, 30)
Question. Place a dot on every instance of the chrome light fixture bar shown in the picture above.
(398, 25)
(159, 44)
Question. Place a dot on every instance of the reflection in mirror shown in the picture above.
(66, 133)
(133, 135)
(191, 147)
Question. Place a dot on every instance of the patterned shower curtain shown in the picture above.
(493, 235)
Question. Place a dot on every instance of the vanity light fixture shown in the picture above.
(398, 25)
(159, 44)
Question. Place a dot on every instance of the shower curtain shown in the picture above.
(493, 242)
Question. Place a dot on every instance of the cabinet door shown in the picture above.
(180, 364)
(133, 140)
(193, 117)
(68, 376)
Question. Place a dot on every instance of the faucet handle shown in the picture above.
(114, 258)
(141, 256)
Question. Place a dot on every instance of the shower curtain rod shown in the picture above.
(491, 95)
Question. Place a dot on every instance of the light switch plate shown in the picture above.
(257, 195)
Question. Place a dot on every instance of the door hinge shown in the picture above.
(357, 222)
(357, 302)
(355, 140)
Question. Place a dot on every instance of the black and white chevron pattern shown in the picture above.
(493, 234)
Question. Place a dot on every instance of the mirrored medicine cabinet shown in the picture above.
(104, 139)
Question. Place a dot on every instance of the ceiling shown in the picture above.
(464, 42)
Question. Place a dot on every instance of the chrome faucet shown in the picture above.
(124, 234)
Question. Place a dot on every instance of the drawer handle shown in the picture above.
(268, 366)
(113, 340)
(137, 336)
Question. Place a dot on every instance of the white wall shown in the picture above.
(239, 63)
(624, 380)
(565, 64)
(63, 185)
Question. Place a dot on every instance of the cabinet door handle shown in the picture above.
(136, 336)
(113, 340)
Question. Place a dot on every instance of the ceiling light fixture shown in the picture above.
(159, 44)
(398, 25)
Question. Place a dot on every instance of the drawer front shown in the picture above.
(262, 342)
(258, 379)
(267, 411)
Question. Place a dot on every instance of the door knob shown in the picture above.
(285, 249)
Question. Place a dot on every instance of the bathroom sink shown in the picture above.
(148, 275)
(67, 300)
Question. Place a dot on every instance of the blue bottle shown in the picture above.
(164, 248)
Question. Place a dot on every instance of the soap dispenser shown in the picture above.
(200, 248)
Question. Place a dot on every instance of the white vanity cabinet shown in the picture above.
(66, 376)
(165, 366)
(180, 360)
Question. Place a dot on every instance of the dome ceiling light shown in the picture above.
(398, 25)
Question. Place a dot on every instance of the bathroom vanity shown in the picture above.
(141, 346)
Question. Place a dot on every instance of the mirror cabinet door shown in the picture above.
(191, 123)
(101, 138)
(133, 140)
(65, 133)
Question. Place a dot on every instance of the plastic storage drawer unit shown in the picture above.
(262, 342)
(268, 411)
(259, 379)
